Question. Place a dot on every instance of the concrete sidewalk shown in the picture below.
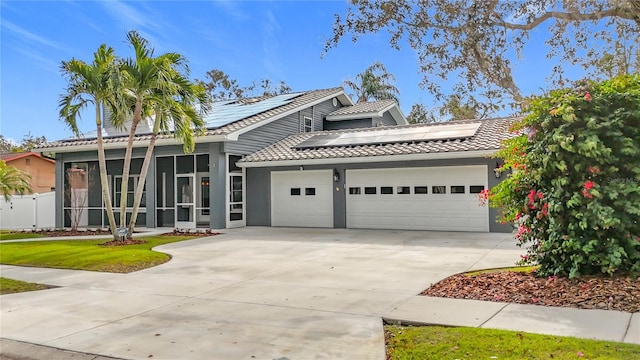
(264, 293)
(607, 325)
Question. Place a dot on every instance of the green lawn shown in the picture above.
(10, 235)
(436, 342)
(87, 254)
(10, 286)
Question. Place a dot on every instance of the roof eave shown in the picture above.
(136, 144)
(383, 158)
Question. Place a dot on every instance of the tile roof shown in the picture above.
(488, 137)
(363, 108)
(301, 101)
(14, 156)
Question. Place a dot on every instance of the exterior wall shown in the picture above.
(387, 120)
(42, 172)
(348, 124)
(258, 189)
(277, 130)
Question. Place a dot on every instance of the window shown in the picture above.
(310, 191)
(131, 190)
(403, 190)
(295, 191)
(370, 190)
(386, 190)
(457, 189)
(476, 189)
(307, 124)
(355, 191)
(27, 162)
(420, 189)
(439, 189)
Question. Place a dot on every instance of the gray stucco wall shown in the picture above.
(259, 188)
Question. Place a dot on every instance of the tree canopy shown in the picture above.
(221, 86)
(27, 143)
(476, 42)
(374, 83)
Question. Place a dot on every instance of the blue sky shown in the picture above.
(249, 40)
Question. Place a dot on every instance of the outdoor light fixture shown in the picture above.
(497, 170)
(336, 175)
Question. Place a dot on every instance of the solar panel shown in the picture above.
(224, 113)
(390, 136)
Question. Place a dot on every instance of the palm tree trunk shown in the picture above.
(104, 182)
(126, 168)
(143, 177)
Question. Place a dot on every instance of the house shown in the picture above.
(311, 159)
(41, 169)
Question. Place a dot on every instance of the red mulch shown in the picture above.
(191, 232)
(610, 293)
(57, 233)
(123, 242)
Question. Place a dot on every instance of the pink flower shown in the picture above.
(545, 209)
(580, 354)
(587, 97)
(534, 300)
(588, 185)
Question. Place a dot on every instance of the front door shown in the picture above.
(236, 201)
(185, 201)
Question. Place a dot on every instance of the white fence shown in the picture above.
(35, 211)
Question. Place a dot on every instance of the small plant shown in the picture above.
(573, 187)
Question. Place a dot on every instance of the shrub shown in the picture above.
(573, 188)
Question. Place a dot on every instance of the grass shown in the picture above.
(10, 235)
(436, 342)
(10, 286)
(504, 269)
(87, 254)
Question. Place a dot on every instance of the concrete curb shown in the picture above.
(19, 350)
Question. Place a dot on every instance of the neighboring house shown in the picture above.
(279, 161)
(41, 169)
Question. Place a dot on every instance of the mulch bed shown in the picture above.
(123, 242)
(610, 293)
(62, 232)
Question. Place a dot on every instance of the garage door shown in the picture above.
(434, 198)
(302, 198)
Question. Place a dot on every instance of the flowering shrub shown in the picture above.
(573, 189)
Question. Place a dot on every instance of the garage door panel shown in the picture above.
(458, 212)
(300, 207)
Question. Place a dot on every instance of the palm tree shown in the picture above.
(374, 83)
(13, 180)
(158, 86)
(98, 83)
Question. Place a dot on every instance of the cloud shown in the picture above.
(232, 7)
(41, 61)
(270, 44)
(30, 37)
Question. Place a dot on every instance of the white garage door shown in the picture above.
(302, 198)
(434, 198)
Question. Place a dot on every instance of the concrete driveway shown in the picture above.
(251, 293)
